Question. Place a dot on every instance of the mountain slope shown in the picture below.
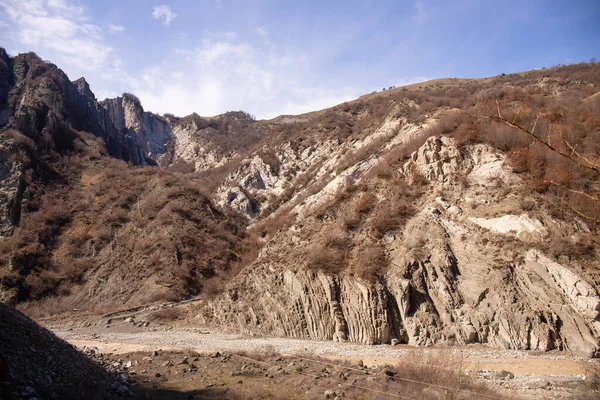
(36, 364)
(408, 215)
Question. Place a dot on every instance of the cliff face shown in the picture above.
(460, 270)
(38, 101)
(147, 131)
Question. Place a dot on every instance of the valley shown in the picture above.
(451, 222)
(532, 374)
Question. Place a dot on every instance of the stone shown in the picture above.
(122, 389)
(275, 370)
(503, 375)
(330, 394)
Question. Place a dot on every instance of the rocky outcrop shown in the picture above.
(450, 279)
(149, 132)
(12, 186)
(38, 101)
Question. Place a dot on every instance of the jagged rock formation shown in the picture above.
(39, 102)
(453, 278)
(150, 132)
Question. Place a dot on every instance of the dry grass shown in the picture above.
(167, 314)
(369, 261)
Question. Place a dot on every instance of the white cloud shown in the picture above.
(57, 30)
(116, 28)
(225, 74)
(62, 32)
(164, 11)
(262, 31)
(68, 8)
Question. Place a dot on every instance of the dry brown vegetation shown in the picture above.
(137, 227)
(369, 210)
(87, 212)
(166, 314)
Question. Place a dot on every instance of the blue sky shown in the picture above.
(289, 57)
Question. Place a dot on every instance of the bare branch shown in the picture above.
(579, 192)
(534, 124)
(578, 212)
(517, 116)
(577, 158)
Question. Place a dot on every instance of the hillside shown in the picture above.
(36, 364)
(409, 215)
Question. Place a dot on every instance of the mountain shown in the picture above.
(454, 211)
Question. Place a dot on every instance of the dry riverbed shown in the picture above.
(506, 373)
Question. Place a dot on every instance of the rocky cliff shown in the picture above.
(465, 269)
(46, 109)
(149, 132)
(404, 216)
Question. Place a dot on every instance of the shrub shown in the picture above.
(389, 216)
(365, 203)
(270, 158)
(369, 261)
(326, 259)
(21, 139)
(165, 314)
(348, 217)
(336, 238)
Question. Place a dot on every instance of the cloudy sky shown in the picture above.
(288, 57)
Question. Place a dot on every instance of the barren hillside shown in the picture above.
(449, 212)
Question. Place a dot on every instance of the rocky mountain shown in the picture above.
(455, 211)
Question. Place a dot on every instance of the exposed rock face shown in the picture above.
(445, 285)
(149, 132)
(12, 186)
(38, 101)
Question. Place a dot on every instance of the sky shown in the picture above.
(288, 57)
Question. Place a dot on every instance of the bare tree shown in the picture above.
(564, 149)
